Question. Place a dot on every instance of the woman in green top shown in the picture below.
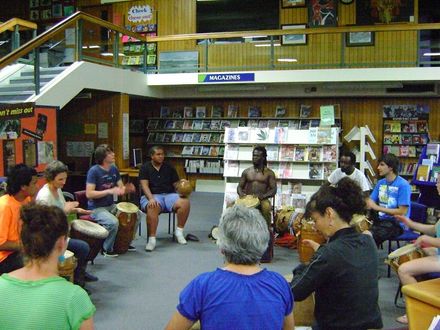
(35, 297)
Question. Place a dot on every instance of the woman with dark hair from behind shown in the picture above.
(240, 295)
(343, 272)
(37, 298)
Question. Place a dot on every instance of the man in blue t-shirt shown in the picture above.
(103, 187)
(390, 197)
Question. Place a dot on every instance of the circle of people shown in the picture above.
(242, 295)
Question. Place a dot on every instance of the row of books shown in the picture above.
(284, 170)
(407, 168)
(139, 48)
(185, 137)
(419, 126)
(427, 171)
(203, 166)
(405, 138)
(327, 153)
(138, 60)
(433, 152)
(288, 199)
(403, 151)
(281, 135)
(213, 151)
(217, 124)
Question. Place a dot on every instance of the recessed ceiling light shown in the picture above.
(431, 54)
(287, 60)
(267, 45)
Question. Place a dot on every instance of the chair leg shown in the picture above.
(169, 223)
(389, 268)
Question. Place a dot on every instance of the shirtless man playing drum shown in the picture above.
(258, 180)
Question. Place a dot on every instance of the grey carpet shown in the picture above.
(139, 290)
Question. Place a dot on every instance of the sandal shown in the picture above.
(402, 319)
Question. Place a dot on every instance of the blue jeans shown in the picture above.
(105, 216)
(81, 250)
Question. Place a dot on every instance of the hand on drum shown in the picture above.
(130, 188)
(82, 211)
(311, 244)
(424, 241)
(69, 207)
(371, 204)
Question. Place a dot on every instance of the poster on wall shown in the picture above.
(45, 152)
(323, 13)
(21, 126)
(384, 11)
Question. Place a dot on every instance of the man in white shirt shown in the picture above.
(347, 160)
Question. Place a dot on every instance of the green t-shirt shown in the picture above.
(51, 303)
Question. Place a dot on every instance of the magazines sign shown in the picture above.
(226, 77)
(140, 13)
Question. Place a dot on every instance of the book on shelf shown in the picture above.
(428, 161)
(169, 124)
(275, 168)
(234, 123)
(216, 111)
(281, 135)
(406, 139)
(416, 139)
(215, 138)
(315, 171)
(242, 123)
(312, 135)
(433, 151)
(404, 127)
(422, 126)
(215, 124)
(404, 151)
(197, 124)
(424, 138)
(300, 153)
(305, 111)
(435, 173)
(423, 173)
(280, 111)
(196, 150)
(327, 115)
(254, 111)
(205, 137)
(187, 150)
(187, 137)
(151, 137)
(294, 124)
(253, 123)
(232, 111)
(225, 123)
(304, 124)
(283, 123)
(200, 111)
(178, 113)
(222, 137)
(206, 124)
(387, 139)
(159, 137)
(328, 168)
(387, 128)
(287, 153)
(395, 127)
(214, 151)
(286, 170)
(314, 123)
(412, 127)
(187, 124)
(262, 135)
(196, 137)
(412, 151)
(315, 154)
(164, 111)
(272, 152)
(231, 152)
(329, 153)
(245, 152)
(221, 151)
(188, 112)
(296, 187)
(263, 124)
(178, 124)
(243, 135)
(298, 201)
(178, 137)
(205, 151)
(152, 124)
(168, 137)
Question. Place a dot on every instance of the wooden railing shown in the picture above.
(22, 24)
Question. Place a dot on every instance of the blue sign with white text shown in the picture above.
(226, 77)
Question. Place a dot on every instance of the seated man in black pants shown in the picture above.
(259, 180)
(158, 182)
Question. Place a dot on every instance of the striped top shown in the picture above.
(50, 303)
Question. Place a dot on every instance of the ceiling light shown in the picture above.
(111, 54)
(250, 37)
(431, 54)
(267, 45)
(291, 60)
(91, 47)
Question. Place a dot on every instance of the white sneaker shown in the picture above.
(179, 237)
(150, 246)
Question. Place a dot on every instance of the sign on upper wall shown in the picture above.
(140, 13)
(225, 77)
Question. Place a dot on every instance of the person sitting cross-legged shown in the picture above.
(158, 181)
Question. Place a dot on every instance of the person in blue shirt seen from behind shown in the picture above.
(390, 197)
(240, 295)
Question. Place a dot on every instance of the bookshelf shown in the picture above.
(136, 51)
(405, 133)
(303, 157)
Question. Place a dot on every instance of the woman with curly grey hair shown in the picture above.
(240, 295)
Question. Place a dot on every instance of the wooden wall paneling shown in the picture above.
(346, 14)
(293, 15)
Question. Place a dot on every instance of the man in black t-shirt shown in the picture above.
(158, 182)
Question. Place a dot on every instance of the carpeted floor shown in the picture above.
(139, 290)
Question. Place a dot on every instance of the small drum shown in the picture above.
(284, 219)
(214, 233)
(184, 188)
(405, 253)
(249, 201)
(304, 311)
(67, 267)
(90, 232)
(360, 222)
(308, 231)
(127, 216)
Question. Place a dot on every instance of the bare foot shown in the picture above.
(402, 319)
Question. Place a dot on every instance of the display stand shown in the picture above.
(428, 190)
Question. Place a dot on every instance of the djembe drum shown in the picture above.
(284, 219)
(184, 188)
(90, 232)
(308, 231)
(66, 268)
(404, 254)
(127, 216)
(360, 223)
(249, 201)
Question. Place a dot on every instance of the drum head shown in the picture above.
(68, 254)
(248, 201)
(214, 233)
(402, 251)
(127, 207)
(89, 228)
